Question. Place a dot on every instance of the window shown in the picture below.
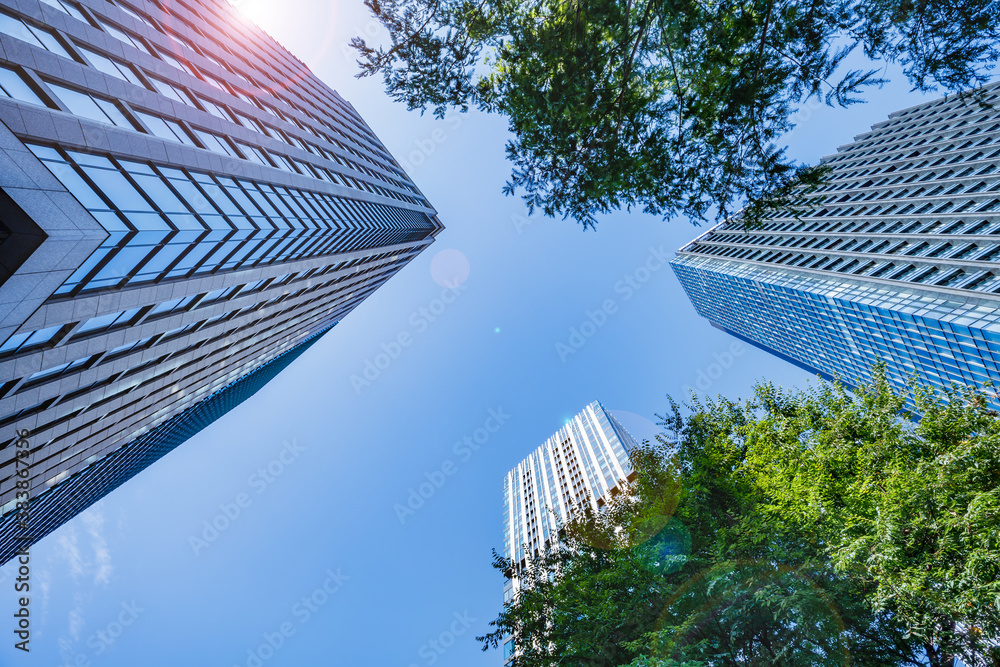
(40, 37)
(214, 109)
(218, 295)
(214, 143)
(67, 8)
(31, 339)
(126, 348)
(126, 37)
(165, 128)
(16, 88)
(179, 331)
(171, 306)
(112, 67)
(56, 371)
(285, 163)
(105, 322)
(253, 154)
(93, 108)
(169, 90)
(166, 57)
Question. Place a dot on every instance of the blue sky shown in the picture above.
(315, 555)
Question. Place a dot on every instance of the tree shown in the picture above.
(676, 107)
(806, 528)
(913, 504)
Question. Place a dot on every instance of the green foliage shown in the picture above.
(914, 505)
(676, 107)
(798, 528)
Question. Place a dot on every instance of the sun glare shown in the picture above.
(260, 12)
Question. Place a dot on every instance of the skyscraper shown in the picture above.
(584, 462)
(896, 258)
(184, 209)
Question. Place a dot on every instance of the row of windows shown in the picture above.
(932, 117)
(44, 38)
(279, 89)
(841, 229)
(117, 113)
(317, 314)
(947, 139)
(333, 106)
(102, 324)
(842, 336)
(167, 223)
(960, 278)
(295, 73)
(304, 313)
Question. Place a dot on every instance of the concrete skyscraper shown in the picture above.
(184, 209)
(896, 258)
(585, 461)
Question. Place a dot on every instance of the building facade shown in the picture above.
(582, 463)
(184, 209)
(895, 258)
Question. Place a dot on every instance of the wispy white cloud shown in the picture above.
(93, 519)
(68, 551)
(76, 620)
(85, 557)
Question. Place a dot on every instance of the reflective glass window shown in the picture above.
(121, 266)
(172, 305)
(214, 143)
(169, 90)
(26, 32)
(260, 199)
(193, 257)
(108, 321)
(15, 87)
(116, 187)
(18, 340)
(216, 194)
(112, 67)
(126, 37)
(93, 108)
(67, 8)
(181, 65)
(166, 129)
(156, 189)
(253, 154)
(285, 163)
(158, 263)
(214, 109)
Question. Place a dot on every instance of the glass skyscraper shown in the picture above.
(184, 209)
(582, 463)
(895, 258)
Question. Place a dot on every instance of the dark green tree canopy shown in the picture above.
(676, 107)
